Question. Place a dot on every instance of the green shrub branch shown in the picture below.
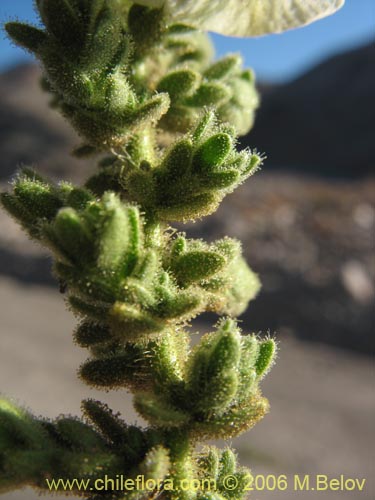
(145, 95)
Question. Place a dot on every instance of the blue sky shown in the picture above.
(275, 57)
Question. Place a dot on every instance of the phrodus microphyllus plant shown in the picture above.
(137, 83)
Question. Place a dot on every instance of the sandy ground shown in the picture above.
(323, 399)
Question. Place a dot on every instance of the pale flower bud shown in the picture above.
(245, 18)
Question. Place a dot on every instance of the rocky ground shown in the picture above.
(311, 240)
(31, 132)
(321, 122)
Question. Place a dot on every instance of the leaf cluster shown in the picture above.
(34, 450)
(111, 74)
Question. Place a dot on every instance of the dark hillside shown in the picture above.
(323, 122)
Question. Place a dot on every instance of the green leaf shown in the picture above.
(79, 435)
(222, 180)
(88, 334)
(18, 428)
(179, 83)
(197, 206)
(57, 15)
(228, 463)
(15, 208)
(111, 426)
(158, 412)
(108, 41)
(151, 111)
(224, 67)
(113, 371)
(266, 357)
(72, 235)
(147, 268)
(179, 305)
(194, 266)
(204, 126)
(244, 286)
(156, 464)
(28, 37)
(212, 374)
(246, 369)
(118, 235)
(146, 27)
(38, 198)
(234, 421)
(208, 461)
(209, 94)
(129, 321)
(179, 246)
(213, 152)
(178, 159)
(97, 311)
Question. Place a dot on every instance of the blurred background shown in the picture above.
(307, 223)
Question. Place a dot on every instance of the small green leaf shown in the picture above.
(97, 311)
(159, 413)
(228, 463)
(26, 36)
(18, 428)
(222, 180)
(178, 159)
(39, 198)
(179, 246)
(223, 67)
(196, 266)
(209, 461)
(129, 321)
(115, 235)
(151, 111)
(212, 373)
(89, 333)
(104, 419)
(213, 152)
(114, 370)
(179, 83)
(156, 464)
(79, 435)
(209, 94)
(181, 305)
(234, 421)
(15, 208)
(266, 357)
(57, 15)
(72, 235)
(203, 127)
